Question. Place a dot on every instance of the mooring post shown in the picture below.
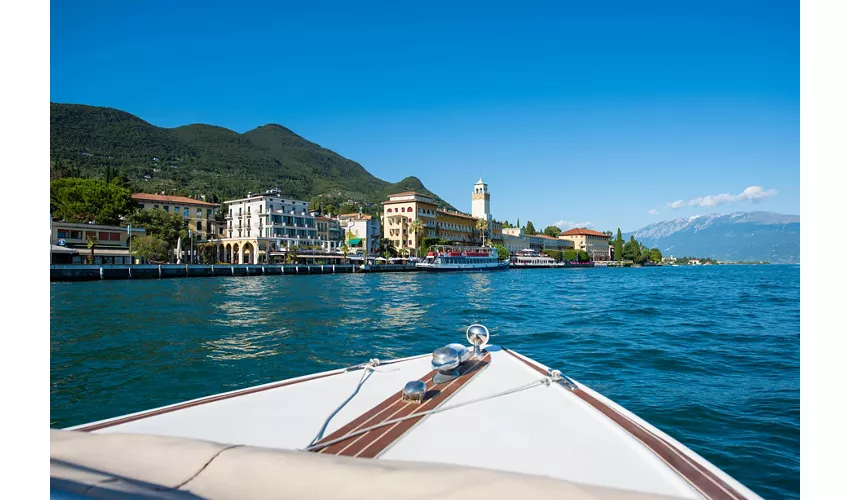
(101, 272)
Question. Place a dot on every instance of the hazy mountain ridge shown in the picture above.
(739, 236)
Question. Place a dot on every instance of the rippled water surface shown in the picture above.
(710, 355)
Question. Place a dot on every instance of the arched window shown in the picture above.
(396, 210)
(389, 210)
(409, 209)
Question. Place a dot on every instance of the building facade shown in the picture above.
(460, 228)
(112, 242)
(263, 223)
(592, 242)
(198, 214)
(403, 208)
(515, 239)
(361, 233)
(329, 232)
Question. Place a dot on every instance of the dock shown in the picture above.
(89, 272)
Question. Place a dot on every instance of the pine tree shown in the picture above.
(517, 222)
(529, 229)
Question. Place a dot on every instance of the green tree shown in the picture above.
(481, 225)
(555, 254)
(151, 248)
(504, 253)
(87, 200)
(552, 231)
(517, 222)
(583, 256)
(610, 237)
(164, 225)
(618, 246)
(415, 227)
(570, 255)
(655, 255)
(529, 229)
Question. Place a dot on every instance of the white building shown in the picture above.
(361, 233)
(262, 223)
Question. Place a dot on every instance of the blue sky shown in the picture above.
(581, 113)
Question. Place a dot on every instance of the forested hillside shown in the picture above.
(199, 159)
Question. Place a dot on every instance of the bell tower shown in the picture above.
(480, 201)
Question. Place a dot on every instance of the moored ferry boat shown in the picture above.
(466, 421)
(461, 258)
(525, 259)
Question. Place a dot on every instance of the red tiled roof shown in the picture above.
(544, 236)
(581, 231)
(182, 200)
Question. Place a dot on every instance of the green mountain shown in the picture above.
(207, 160)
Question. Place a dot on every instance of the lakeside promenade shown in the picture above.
(88, 272)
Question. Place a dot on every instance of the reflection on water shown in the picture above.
(710, 356)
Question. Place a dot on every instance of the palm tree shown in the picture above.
(344, 249)
(416, 226)
(482, 225)
(91, 242)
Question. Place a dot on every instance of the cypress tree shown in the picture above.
(618, 246)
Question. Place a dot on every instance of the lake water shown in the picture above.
(710, 355)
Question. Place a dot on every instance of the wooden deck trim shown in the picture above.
(375, 442)
(220, 397)
(701, 479)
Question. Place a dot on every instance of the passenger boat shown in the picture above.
(460, 258)
(525, 259)
(466, 421)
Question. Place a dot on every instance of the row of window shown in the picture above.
(66, 234)
(465, 260)
(199, 213)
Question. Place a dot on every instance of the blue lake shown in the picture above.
(710, 355)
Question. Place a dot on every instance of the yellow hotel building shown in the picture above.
(459, 228)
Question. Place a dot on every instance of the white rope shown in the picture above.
(544, 381)
(368, 368)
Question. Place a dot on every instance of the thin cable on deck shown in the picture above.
(544, 381)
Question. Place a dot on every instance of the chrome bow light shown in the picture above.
(477, 335)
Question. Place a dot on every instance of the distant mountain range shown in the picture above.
(739, 236)
(209, 160)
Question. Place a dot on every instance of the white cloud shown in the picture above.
(753, 194)
(572, 224)
(653, 211)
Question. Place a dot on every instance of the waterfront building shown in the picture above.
(329, 232)
(198, 214)
(460, 228)
(515, 240)
(361, 233)
(112, 246)
(263, 223)
(403, 208)
(542, 242)
(592, 242)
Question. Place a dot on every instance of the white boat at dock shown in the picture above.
(462, 258)
(529, 259)
(464, 421)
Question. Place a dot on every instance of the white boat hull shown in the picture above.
(504, 412)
